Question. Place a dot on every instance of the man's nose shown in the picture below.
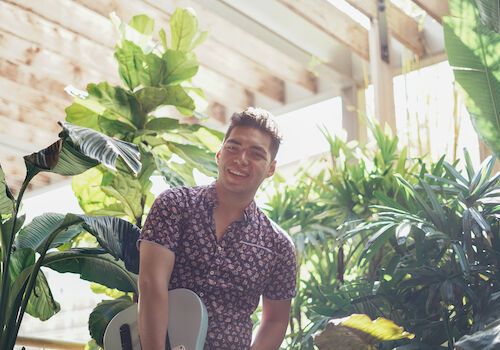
(242, 157)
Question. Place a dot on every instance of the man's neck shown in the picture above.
(231, 202)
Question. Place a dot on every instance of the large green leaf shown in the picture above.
(79, 113)
(41, 303)
(183, 27)
(198, 157)
(150, 98)
(129, 57)
(103, 148)
(117, 100)
(87, 188)
(95, 266)
(153, 70)
(178, 97)
(159, 125)
(6, 198)
(358, 332)
(143, 24)
(127, 190)
(117, 236)
(489, 10)
(37, 231)
(474, 53)
(181, 66)
(103, 313)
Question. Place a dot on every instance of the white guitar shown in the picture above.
(187, 324)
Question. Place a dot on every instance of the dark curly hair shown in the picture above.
(260, 119)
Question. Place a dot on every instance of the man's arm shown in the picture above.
(275, 314)
(156, 264)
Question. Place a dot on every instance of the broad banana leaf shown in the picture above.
(101, 147)
(358, 332)
(6, 198)
(103, 313)
(93, 265)
(473, 51)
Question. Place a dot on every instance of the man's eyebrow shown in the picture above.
(255, 147)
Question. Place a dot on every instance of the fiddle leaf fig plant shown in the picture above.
(144, 111)
(26, 248)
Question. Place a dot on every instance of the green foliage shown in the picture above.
(156, 79)
(155, 75)
(472, 40)
(26, 248)
(358, 332)
(379, 234)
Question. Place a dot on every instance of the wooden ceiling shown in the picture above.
(260, 52)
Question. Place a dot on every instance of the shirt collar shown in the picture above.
(211, 200)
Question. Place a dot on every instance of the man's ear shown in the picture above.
(272, 168)
(217, 156)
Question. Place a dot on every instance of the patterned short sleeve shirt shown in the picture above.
(254, 257)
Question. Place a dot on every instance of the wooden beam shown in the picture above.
(26, 133)
(334, 22)
(434, 8)
(34, 117)
(349, 112)
(216, 57)
(288, 40)
(54, 38)
(30, 52)
(403, 27)
(227, 34)
(382, 80)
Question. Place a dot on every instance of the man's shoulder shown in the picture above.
(183, 192)
(278, 233)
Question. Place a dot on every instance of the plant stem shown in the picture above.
(4, 296)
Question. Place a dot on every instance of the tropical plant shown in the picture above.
(26, 248)
(472, 41)
(439, 277)
(156, 78)
(318, 208)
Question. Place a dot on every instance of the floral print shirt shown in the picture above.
(253, 258)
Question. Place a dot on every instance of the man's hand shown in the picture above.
(156, 264)
(275, 314)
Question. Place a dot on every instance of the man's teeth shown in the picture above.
(237, 173)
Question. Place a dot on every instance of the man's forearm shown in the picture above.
(269, 335)
(152, 321)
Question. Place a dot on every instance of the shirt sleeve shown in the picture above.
(163, 224)
(282, 284)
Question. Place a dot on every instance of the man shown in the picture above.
(215, 241)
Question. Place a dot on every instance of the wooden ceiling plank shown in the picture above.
(61, 68)
(402, 27)
(25, 75)
(73, 17)
(216, 57)
(99, 20)
(53, 37)
(31, 116)
(334, 22)
(434, 8)
(24, 132)
(31, 98)
(222, 89)
(227, 34)
(58, 71)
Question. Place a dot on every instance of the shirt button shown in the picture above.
(220, 248)
(201, 294)
(212, 273)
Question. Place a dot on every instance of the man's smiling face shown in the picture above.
(245, 160)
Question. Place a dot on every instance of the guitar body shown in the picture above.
(187, 324)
